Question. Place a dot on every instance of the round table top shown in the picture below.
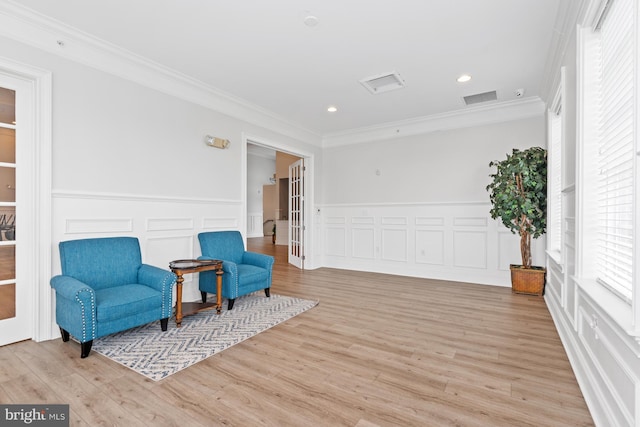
(185, 264)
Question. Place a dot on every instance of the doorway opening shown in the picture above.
(283, 198)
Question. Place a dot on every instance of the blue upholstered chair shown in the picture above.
(105, 288)
(244, 272)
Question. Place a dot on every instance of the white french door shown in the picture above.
(16, 284)
(296, 213)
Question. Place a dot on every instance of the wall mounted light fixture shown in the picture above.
(213, 141)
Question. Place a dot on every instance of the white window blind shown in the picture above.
(616, 148)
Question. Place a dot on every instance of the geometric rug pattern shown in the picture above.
(157, 354)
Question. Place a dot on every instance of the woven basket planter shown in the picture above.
(528, 281)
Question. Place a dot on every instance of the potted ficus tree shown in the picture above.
(518, 194)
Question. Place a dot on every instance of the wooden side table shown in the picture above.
(186, 266)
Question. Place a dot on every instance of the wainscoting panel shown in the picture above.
(363, 243)
(603, 354)
(433, 222)
(213, 224)
(555, 280)
(469, 222)
(596, 337)
(470, 249)
(570, 299)
(98, 225)
(430, 247)
(394, 245)
(448, 241)
(393, 220)
(508, 250)
(167, 229)
(166, 224)
(335, 241)
(364, 220)
(162, 250)
(255, 226)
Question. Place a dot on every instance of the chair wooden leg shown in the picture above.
(267, 292)
(230, 304)
(65, 335)
(164, 323)
(204, 296)
(85, 349)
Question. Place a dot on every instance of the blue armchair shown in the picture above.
(104, 288)
(244, 272)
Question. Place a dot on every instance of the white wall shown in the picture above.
(445, 166)
(131, 160)
(418, 205)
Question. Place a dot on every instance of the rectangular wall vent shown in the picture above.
(383, 82)
(481, 97)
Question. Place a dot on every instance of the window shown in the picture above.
(614, 67)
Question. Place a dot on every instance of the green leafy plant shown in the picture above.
(518, 194)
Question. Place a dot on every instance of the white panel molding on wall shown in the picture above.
(255, 226)
(166, 227)
(363, 243)
(448, 241)
(166, 224)
(98, 225)
(603, 355)
(430, 248)
(470, 249)
(219, 223)
(394, 244)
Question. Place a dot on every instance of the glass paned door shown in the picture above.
(296, 213)
(16, 322)
(7, 204)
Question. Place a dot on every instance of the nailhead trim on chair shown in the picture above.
(164, 288)
(237, 283)
(93, 320)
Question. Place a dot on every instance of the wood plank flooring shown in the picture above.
(379, 350)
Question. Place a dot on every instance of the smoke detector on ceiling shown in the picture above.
(383, 82)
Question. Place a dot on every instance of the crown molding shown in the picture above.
(27, 26)
(570, 14)
(474, 116)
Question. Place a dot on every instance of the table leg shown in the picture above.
(219, 290)
(179, 281)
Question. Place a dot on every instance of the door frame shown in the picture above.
(309, 157)
(36, 227)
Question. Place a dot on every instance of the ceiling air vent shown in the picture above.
(481, 97)
(383, 83)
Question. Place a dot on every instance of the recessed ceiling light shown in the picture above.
(464, 78)
(310, 21)
(332, 108)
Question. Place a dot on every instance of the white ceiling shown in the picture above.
(262, 52)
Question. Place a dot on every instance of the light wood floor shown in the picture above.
(378, 350)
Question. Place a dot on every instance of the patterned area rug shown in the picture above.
(156, 354)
